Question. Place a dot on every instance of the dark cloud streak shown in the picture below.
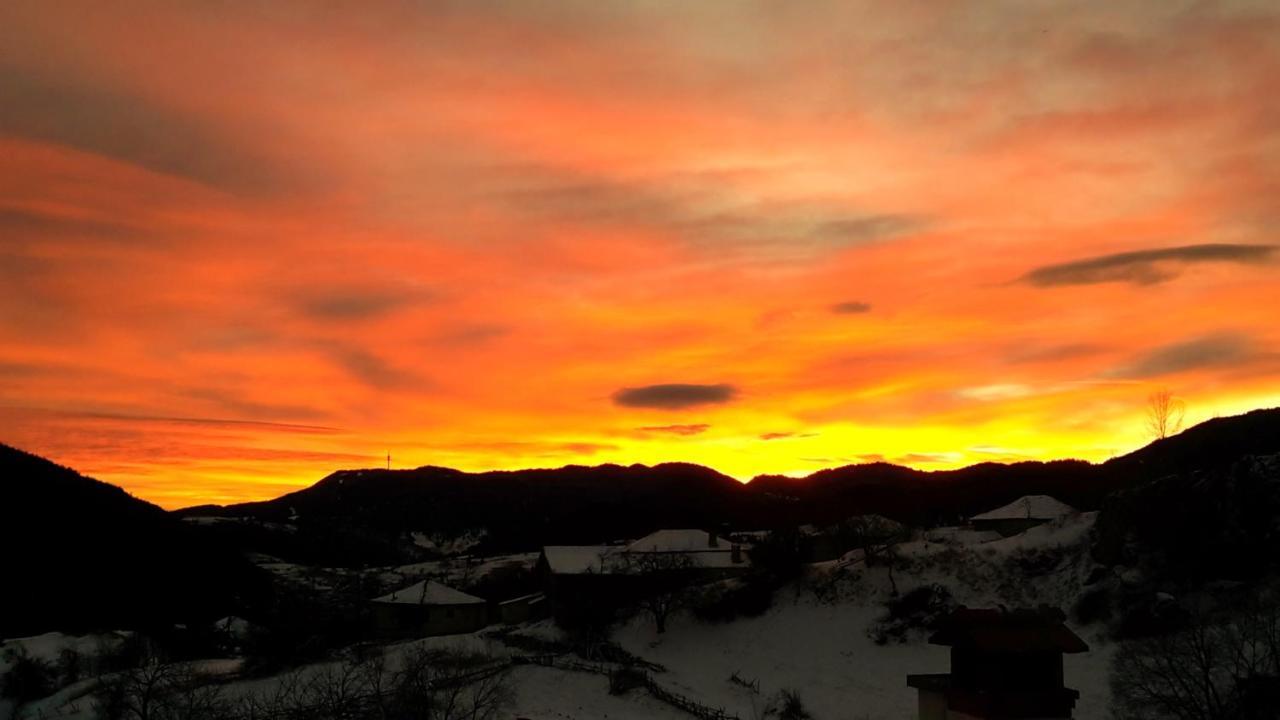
(674, 396)
(354, 304)
(1145, 267)
(371, 369)
(851, 307)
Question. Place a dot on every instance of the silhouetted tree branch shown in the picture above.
(1209, 671)
(663, 580)
(1164, 414)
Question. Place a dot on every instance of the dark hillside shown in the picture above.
(82, 554)
(355, 517)
(519, 509)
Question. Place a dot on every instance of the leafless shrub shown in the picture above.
(787, 705)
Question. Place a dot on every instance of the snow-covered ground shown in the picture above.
(73, 700)
(823, 652)
(49, 646)
(814, 640)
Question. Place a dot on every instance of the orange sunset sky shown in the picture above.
(245, 244)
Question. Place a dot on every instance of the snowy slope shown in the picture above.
(820, 647)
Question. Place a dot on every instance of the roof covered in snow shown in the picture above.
(696, 544)
(681, 541)
(606, 559)
(1035, 507)
(429, 592)
(576, 559)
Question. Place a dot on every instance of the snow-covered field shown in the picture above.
(814, 640)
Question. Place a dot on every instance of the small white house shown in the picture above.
(428, 608)
(1021, 515)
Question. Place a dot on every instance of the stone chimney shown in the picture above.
(735, 554)
(712, 540)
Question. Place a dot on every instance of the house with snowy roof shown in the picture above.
(428, 608)
(577, 577)
(705, 551)
(1021, 515)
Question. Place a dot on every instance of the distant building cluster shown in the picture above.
(571, 576)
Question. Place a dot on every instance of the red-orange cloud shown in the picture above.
(242, 246)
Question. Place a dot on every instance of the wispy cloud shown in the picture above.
(706, 210)
(209, 422)
(1217, 350)
(18, 223)
(683, 430)
(786, 435)
(130, 127)
(356, 304)
(869, 228)
(1049, 353)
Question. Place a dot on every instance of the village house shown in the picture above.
(1021, 515)
(575, 577)
(522, 609)
(1005, 665)
(578, 576)
(706, 552)
(428, 608)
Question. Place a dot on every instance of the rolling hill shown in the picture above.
(82, 554)
(575, 504)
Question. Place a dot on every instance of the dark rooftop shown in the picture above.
(1009, 631)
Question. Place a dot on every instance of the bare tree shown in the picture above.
(878, 538)
(1164, 414)
(156, 690)
(419, 684)
(1210, 671)
(342, 691)
(435, 684)
(663, 581)
(287, 693)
